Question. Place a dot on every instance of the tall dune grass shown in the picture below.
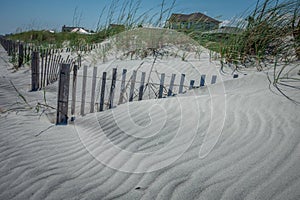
(271, 31)
(270, 38)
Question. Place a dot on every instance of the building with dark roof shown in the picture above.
(73, 29)
(194, 21)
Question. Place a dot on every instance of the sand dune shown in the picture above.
(256, 157)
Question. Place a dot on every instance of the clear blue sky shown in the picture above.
(53, 14)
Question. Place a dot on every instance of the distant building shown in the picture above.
(194, 21)
(70, 29)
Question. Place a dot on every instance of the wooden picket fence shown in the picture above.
(130, 90)
(48, 66)
(21, 52)
(45, 66)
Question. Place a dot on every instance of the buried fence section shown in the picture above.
(74, 85)
(161, 86)
(47, 71)
(45, 68)
(107, 90)
(63, 94)
(102, 93)
(170, 91)
(112, 88)
(123, 87)
(192, 83)
(93, 90)
(21, 55)
(83, 95)
(131, 93)
(202, 80)
(42, 69)
(35, 71)
(181, 83)
(213, 79)
(142, 86)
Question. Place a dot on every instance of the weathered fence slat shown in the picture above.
(42, 68)
(112, 88)
(202, 80)
(123, 88)
(49, 67)
(102, 92)
(21, 55)
(74, 85)
(192, 83)
(142, 85)
(46, 68)
(213, 79)
(35, 71)
(170, 91)
(53, 66)
(131, 93)
(93, 89)
(63, 95)
(161, 85)
(9, 47)
(181, 84)
(83, 90)
(56, 68)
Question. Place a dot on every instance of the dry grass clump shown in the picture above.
(271, 31)
(144, 42)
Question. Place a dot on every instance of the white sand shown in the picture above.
(256, 157)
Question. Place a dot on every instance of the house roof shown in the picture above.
(72, 28)
(80, 30)
(194, 17)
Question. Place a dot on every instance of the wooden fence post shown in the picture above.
(202, 80)
(46, 68)
(83, 90)
(93, 89)
(123, 88)
(63, 94)
(112, 88)
(181, 83)
(9, 47)
(21, 55)
(58, 62)
(79, 61)
(141, 90)
(131, 93)
(192, 84)
(53, 67)
(35, 71)
(102, 92)
(213, 79)
(161, 85)
(170, 91)
(49, 66)
(74, 84)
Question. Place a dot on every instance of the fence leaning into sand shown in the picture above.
(48, 66)
(102, 93)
